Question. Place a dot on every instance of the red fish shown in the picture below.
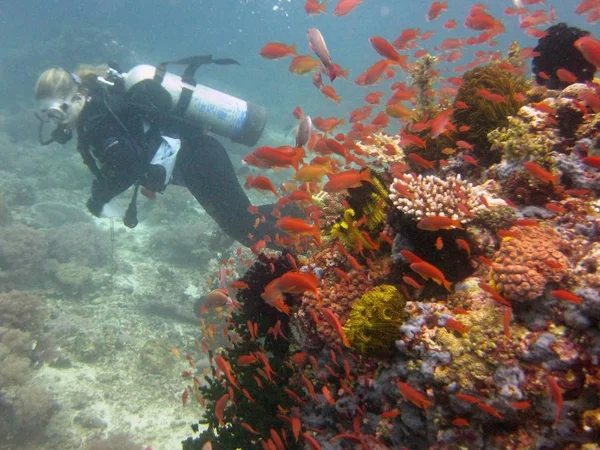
(297, 227)
(275, 50)
(223, 365)
(556, 396)
(490, 290)
(429, 271)
(334, 322)
(374, 73)
(435, 223)
(374, 98)
(345, 7)
(261, 183)
(464, 245)
(329, 92)
(435, 9)
(345, 180)
(590, 49)
(420, 161)
(385, 49)
(540, 173)
(220, 408)
(566, 296)
(592, 161)
(313, 7)
(412, 395)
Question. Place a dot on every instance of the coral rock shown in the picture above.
(525, 264)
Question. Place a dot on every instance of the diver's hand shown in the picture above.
(94, 207)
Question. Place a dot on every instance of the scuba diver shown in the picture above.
(148, 128)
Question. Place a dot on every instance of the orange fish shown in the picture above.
(223, 365)
(283, 156)
(334, 322)
(411, 282)
(220, 408)
(291, 283)
(490, 290)
(398, 111)
(329, 92)
(429, 271)
(589, 47)
(313, 7)
(275, 50)
(345, 7)
(303, 64)
(540, 173)
(460, 422)
(348, 179)
(260, 183)
(435, 9)
(374, 98)
(556, 396)
(374, 73)
(297, 227)
(385, 49)
(412, 395)
(328, 124)
(406, 36)
(464, 245)
(435, 223)
(420, 161)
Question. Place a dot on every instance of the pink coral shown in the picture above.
(339, 298)
(526, 263)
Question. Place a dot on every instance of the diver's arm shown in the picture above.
(119, 172)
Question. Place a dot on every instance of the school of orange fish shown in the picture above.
(325, 160)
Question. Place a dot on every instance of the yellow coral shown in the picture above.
(516, 141)
(374, 320)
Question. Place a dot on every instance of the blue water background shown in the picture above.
(160, 30)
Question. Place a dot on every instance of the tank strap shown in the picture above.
(188, 82)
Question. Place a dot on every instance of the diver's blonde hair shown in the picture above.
(59, 83)
(55, 83)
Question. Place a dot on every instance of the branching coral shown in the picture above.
(433, 196)
(556, 51)
(525, 264)
(372, 326)
(485, 114)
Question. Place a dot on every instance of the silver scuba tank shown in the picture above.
(220, 113)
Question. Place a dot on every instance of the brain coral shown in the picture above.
(525, 264)
(339, 298)
(433, 196)
(374, 320)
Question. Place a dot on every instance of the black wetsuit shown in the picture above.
(118, 148)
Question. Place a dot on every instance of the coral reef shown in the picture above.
(526, 263)
(555, 51)
(374, 319)
(80, 243)
(484, 114)
(23, 255)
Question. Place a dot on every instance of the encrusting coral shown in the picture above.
(383, 149)
(525, 264)
(372, 326)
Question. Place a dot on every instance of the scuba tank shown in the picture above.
(197, 105)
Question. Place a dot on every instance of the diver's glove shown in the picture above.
(154, 178)
(94, 207)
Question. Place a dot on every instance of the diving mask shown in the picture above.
(56, 111)
(63, 113)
